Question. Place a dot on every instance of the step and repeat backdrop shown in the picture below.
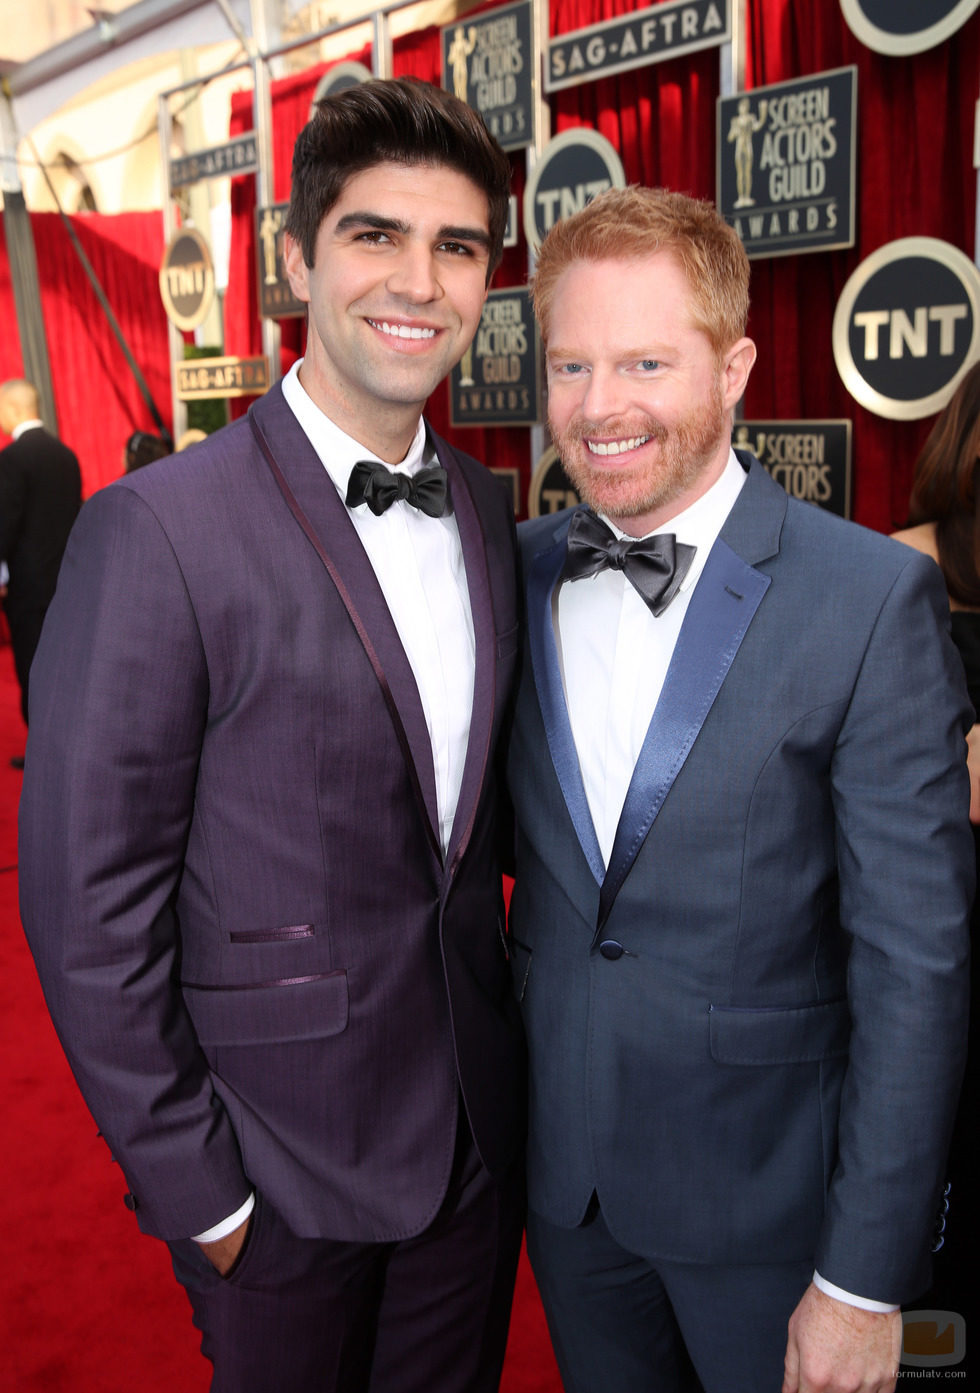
(846, 162)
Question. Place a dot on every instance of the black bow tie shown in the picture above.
(375, 484)
(656, 566)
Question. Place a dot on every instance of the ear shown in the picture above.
(297, 271)
(736, 366)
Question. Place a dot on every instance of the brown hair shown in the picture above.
(944, 489)
(401, 121)
(143, 448)
(628, 224)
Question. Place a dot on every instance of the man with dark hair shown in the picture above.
(405, 123)
(40, 495)
(258, 858)
(744, 864)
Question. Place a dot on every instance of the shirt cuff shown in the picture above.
(838, 1293)
(228, 1225)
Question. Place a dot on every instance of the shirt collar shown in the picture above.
(700, 523)
(18, 431)
(338, 452)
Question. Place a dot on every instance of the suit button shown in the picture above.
(129, 1201)
(611, 949)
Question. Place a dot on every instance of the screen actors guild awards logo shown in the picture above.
(785, 162)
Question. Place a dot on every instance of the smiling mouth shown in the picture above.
(402, 331)
(615, 447)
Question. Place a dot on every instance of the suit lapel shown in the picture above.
(322, 515)
(723, 605)
(485, 638)
(542, 575)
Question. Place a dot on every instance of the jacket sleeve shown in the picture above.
(119, 697)
(906, 867)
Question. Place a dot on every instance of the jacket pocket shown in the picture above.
(778, 1034)
(290, 1008)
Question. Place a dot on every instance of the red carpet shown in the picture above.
(87, 1303)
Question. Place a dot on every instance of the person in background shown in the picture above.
(40, 495)
(744, 867)
(944, 513)
(143, 448)
(258, 843)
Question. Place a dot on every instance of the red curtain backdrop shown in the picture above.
(97, 401)
(660, 118)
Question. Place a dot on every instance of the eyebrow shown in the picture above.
(477, 235)
(628, 355)
(565, 355)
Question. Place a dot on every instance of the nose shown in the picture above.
(414, 276)
(606, 394)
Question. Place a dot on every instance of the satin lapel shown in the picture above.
(721, 609)
(485, 636)
(321, 513)
(542, 575)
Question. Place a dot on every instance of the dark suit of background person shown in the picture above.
(40, 495)
(745, 1030)
(268, 970)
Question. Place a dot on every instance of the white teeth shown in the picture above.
(403, 331)
(616, 447)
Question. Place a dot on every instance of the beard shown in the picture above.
(683, 453)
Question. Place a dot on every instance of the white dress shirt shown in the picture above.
(418, 561)
(18, 431)
(614, 655)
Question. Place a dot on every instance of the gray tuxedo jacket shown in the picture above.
(746, 1034)
(263, 970)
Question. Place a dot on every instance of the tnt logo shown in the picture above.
(553, 205)
(910, 335)
(907, 327)
(933, 1338)
(551, 490)
(573, 169)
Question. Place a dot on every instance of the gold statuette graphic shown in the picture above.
(743, 127)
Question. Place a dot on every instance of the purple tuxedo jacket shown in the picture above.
(262, 969)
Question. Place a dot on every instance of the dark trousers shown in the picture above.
(25, 631)
(620, 1322)
(425, 1315)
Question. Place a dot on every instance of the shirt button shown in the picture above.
(611, 949)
